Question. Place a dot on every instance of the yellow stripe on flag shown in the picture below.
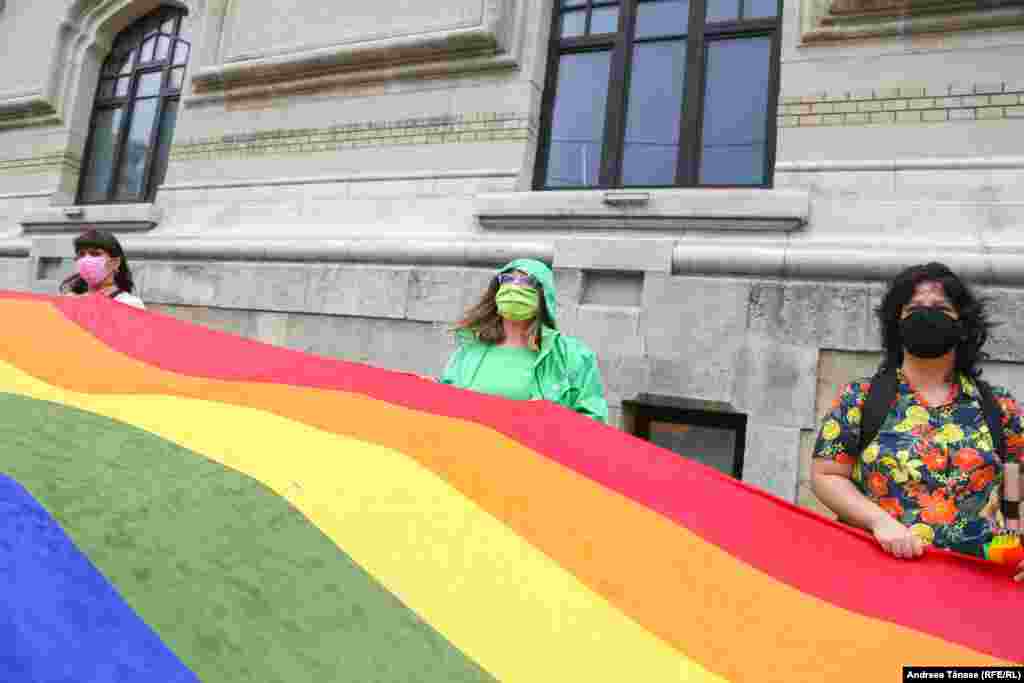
(506, 605)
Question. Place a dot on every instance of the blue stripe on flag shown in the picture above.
(60, 619)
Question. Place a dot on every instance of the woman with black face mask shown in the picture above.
(927, 468)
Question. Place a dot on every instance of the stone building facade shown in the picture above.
(343, 181)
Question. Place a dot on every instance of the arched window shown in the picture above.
(135, 112)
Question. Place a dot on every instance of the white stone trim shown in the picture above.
(858, 262)
(1003, 266)
(119, 217)
(347, 178)
(679, 209)
(26, 195)
(408, 251)
(935, 164)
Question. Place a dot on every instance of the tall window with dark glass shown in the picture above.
(135, 111)
(660, 93)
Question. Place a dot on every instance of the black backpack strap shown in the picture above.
(994, 419)
(877, 405)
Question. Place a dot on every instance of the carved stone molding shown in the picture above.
(906, 8)
(481, 39)
(26, 108)
(833, 20)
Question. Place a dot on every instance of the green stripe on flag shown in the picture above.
(236, 581)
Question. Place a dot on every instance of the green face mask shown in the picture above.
(517, 303)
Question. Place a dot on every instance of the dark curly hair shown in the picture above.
(100, 239)
(970, 307)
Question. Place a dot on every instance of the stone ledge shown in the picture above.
(857, 262)
(999, 264)
(115, 217)
(26, 195)
(44, 162)
(683, 209)
(413, 250)
(893, 165)
(352, 178)
(401, 252)
(15, 247)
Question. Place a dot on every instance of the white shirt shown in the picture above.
(130, 299)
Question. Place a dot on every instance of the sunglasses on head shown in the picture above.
(518, 280)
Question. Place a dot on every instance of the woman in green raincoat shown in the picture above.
(509, 345)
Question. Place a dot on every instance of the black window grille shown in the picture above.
(660, 93)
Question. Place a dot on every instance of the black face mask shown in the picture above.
(930, 333)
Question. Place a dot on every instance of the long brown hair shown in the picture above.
(484, 321)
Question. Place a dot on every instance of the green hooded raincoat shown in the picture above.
(566, 370)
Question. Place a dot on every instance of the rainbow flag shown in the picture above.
(178, 504)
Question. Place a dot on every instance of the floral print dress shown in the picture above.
(933, 468)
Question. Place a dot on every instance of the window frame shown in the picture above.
(129, 102)
(642, 414)
(620, 45)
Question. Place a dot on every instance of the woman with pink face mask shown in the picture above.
(102, 268)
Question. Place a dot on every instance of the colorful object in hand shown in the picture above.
(1005, 549)
(210, 507)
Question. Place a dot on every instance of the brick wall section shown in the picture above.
(486, 127)
(914, 105)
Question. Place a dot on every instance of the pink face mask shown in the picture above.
(93, 269)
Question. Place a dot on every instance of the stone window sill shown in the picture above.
(112, 217)
(683, 209)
